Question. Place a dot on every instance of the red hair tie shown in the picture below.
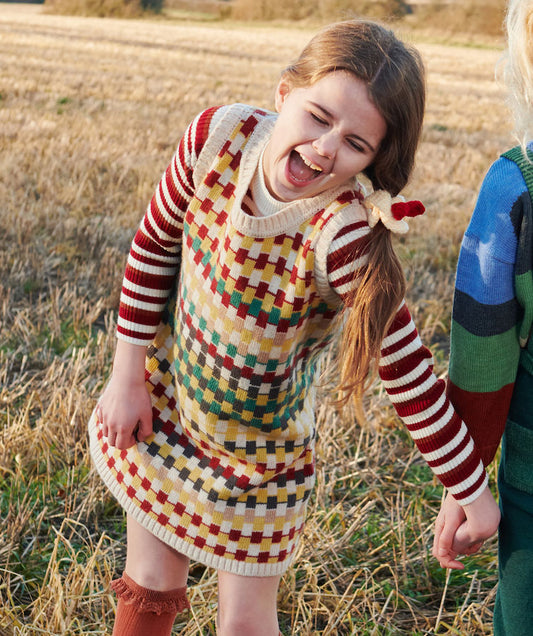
(407, 208)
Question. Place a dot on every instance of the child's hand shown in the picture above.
(125, 408)
(464, 529)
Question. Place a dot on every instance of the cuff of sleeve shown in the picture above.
(470, 489)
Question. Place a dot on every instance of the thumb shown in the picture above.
(446, 537)
(144, 426)
(465, 541)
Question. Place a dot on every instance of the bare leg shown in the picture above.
(152, 589)
(247, 605)
(152, 563)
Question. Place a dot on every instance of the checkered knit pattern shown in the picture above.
(235, 342)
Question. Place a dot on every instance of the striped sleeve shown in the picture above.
(347, 249)
(155, 252)
(406, 370)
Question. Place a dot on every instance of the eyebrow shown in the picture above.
(331, 116)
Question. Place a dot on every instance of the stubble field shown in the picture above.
(90, 113)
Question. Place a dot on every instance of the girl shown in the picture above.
(491, 361)
(262, 228)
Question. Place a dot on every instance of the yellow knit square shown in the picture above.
(164, 451)
(203, 531)
(196, 473)
(267, 345)
(261, 400)
(152, 472)
(248, 267)
(269, 271)
(237, 523)
(286, 248)
(279, 522)
(136, 481)
(224, 163)
(249, 295)
(151, 496)
(268, 244)
(215, 192)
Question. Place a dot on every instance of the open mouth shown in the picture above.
(301, 169)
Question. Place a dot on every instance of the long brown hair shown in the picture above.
(394, 75)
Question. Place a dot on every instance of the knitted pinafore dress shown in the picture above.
(226, 476)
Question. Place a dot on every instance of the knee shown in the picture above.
(168, 575)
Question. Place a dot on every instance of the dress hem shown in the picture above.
(192, 552)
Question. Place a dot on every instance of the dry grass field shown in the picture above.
(90, 113)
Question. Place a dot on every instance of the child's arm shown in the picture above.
(153, 262)
(406, 370)
(125, 408)
(464, 529)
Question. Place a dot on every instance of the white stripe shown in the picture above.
(402, 353)
(427, 414)
(141, 304)
(455, 462)
(467, 483)
(342, 289)
(161, 208)
(398, 335)
(134, 326)
(406, 379)
(410, 394)
(157, 270)
(132, 340)
(345, 270)
(450, 446)
(178, 170)
(190, 136)
(172, 260)
(351, 237)
(145, 291)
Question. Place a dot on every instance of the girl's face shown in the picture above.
(325, 134)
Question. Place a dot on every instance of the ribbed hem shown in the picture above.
(150, 601)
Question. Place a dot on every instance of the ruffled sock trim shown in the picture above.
(146, 600)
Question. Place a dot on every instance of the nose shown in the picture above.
(326, 145)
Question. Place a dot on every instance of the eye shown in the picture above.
(355, 146)
(318, 118)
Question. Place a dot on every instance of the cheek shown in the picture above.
(355, 164)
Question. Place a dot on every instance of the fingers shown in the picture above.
(451, 563)
(450, 543)
(121, 435)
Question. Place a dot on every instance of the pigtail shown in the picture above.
(369, 311)
(395, 77)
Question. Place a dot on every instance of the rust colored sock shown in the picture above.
(144, 612)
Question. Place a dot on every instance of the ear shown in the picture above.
(282, 90)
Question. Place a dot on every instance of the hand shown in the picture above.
(125, 408)
(464, 529)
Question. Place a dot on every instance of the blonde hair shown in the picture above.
(518, 71)
(394, 75)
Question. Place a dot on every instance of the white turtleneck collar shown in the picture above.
(265, 203)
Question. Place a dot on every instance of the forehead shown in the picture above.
(346, 98)
(340, 90)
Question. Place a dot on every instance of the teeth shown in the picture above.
(310, 164)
